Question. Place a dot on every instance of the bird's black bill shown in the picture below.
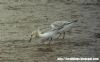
(73, 21)
(30, 39)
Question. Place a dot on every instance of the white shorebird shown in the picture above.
(45, 36)
(58, 27)
(61, 27)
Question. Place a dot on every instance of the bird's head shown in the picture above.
(35, 34)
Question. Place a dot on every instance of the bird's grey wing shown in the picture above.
(58, 27)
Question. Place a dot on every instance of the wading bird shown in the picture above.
(58, 27)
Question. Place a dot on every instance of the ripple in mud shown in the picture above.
(45, 49)
(12, 8)
(82, 44)
(18, 41)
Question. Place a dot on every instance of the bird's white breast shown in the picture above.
(48, 34)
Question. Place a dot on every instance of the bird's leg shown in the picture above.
(50, 38)
(59, 36)
(69, 31)
(63, 35)
(50, 42)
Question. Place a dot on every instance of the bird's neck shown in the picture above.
(39, 34)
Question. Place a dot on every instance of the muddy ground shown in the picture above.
(18, 18)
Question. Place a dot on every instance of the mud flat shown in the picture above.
(18, 18)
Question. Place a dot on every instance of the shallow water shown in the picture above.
(18, 18)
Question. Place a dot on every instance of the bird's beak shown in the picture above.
(30, 38)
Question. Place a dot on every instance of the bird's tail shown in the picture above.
(73, 21)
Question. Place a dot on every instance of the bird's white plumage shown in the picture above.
(47, 34)
(56, 28)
